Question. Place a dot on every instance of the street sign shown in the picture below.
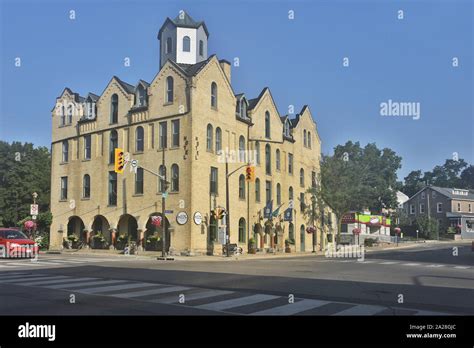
(164, 195)
(168, 212)
(221, 235)
(34, 209)
(33, 217)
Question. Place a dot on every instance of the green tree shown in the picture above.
(25, 169)
(467, 178)
(413, 183)
(428, 227)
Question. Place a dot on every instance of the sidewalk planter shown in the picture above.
(153, 243)
(73, 241)
(99, 241)
(122, 241)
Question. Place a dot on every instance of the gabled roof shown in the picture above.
(185, 22)
(448, 192)
(253, 102)
(193, 69)
(294, 121)
(126, 86)
(93, 96)
(143, 83)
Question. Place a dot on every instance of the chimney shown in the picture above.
(225, 65)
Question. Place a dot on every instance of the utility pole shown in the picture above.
(164, 186)
(227, 227)
(313, 212)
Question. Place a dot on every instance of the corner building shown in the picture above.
(192, 113)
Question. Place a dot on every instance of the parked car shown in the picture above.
(14, 243)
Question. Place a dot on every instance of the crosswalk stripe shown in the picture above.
(292, 308)
(39, 277)
(56, 281)
(66, 261)
(430, 313)
(389, 262)
(410, 264)
(462, 267)
(17, 276)
(21, 281)
(194, 296)
(29, 263)
(71, 286)
(151, 292)
(98, 289)
(237, 302)
(436, 266)
(46, 263)
(361, 310)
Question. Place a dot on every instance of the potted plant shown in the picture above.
(152, 242)
(121, 241)
(287, 246)
(72, 241)
(252, 246)
(98, 241)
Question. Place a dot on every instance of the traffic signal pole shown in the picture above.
(227, 218)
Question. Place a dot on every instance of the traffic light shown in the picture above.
(119, 161)
(250, 173)
(218, 213)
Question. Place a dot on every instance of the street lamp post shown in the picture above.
(313, 199)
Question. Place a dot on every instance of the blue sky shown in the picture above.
(407, 60)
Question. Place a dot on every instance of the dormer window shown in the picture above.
(90, 109)
(242, 109)
(63, 116)
(140, 96)
(201, 48)
(69, 114)
(186, 44)
(286, 129)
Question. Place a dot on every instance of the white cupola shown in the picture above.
(183, 40)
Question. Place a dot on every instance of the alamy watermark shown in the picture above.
(346, 251)
(405, 109)
(15, 250)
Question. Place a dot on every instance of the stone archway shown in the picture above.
(128, 227)
(76, 226)
(101, 225)
(151, 231)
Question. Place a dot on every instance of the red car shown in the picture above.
(14, 243)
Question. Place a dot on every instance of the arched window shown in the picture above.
(139, 141)
(257, 152)
(139, 181)
(242, 109)
(267, 124)
(162, 172)
(86, 186)
(218, 140)
(186, 44)
(242, 186)
(241, 230)
(114, 109)
(69, 114)
(268, 160)
(302, 177)
(214, 95)
(309, 140)
(174, 178)
(113, 143)
(304, 138)
(63, 116)
(291, 232)
(201, 48)
(65, 151)
(287, 129)
(209, 138)
(169, 89)
(278, 194)
(241, 149)
(290, 193)
(257, 190)
(169, 45)
(277, 159)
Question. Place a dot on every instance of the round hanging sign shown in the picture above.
(197, 218)
(181, 218)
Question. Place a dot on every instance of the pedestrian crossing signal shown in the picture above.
(250, 173)
(119, 161)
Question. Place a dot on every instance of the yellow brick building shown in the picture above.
(190, 110)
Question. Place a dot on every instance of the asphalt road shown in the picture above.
(429, 278)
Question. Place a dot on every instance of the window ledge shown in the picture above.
(137, 195)
(86, 160)
(62, 163)
(168, 103)
(85, 199)
(63, 200)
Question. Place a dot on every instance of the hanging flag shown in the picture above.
(267, 211)
(277, 211)
(291, 204)
(288, 215)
